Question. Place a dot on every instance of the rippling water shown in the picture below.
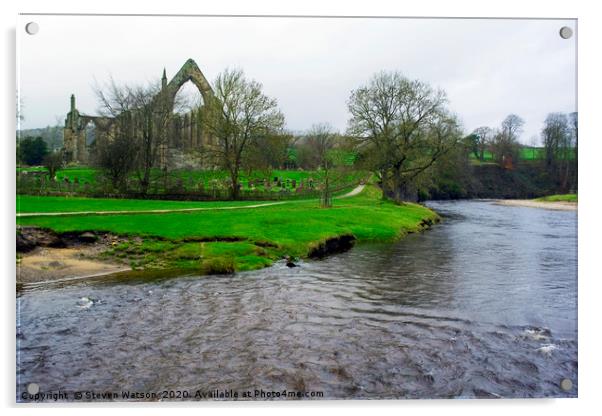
(482, 305)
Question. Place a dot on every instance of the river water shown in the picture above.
(482, 305)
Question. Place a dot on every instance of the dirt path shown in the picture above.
(353, 192)
(146, 211)
(555, 205)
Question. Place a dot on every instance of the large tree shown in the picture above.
(238, 114)
(403, 127)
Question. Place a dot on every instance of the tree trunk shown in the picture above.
(234, 190)
(326, 197)
(403, 190)
(384, 184)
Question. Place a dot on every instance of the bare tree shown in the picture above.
(53, 161)
(321, 140)
(141, 117)
(504, 144)
(512, 127)
(404, 126)
(238, 114)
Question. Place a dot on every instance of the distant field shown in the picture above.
(526, 153)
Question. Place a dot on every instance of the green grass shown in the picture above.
(531, 153)
(29, 203)
(90, 175)
(559, 198)
(263, 235)
(525, 153)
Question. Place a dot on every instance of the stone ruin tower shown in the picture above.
(184, 134)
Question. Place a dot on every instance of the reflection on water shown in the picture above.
(482, 305)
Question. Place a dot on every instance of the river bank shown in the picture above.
(433, 315)
(533, 203)
(212, 241)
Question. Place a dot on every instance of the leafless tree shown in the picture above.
(117, 159)
(504, 144)
(321, 141)
(141, 117)
(512, 127)
(238, 114)
(404, 126)
(53, 161)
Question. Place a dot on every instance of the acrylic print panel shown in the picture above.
(295, 208)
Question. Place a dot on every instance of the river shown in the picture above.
(482, 305)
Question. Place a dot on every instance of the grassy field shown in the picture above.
(243, 239)
(525, 153)
(35, 204)
(559, 198)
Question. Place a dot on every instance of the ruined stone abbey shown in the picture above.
(184, 132)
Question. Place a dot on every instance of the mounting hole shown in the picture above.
(32, 28)
(566, 32)
(566, 384)
(33, 388)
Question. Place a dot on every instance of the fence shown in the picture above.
(40, 185)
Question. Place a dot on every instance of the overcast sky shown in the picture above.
(489, 68)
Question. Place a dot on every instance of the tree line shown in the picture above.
(401, 130)
(559, 137)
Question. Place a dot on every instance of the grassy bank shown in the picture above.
(558, 198)
(244, 239)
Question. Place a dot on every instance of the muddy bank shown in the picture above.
(556, 205)
(50, 264)
(43, 255)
